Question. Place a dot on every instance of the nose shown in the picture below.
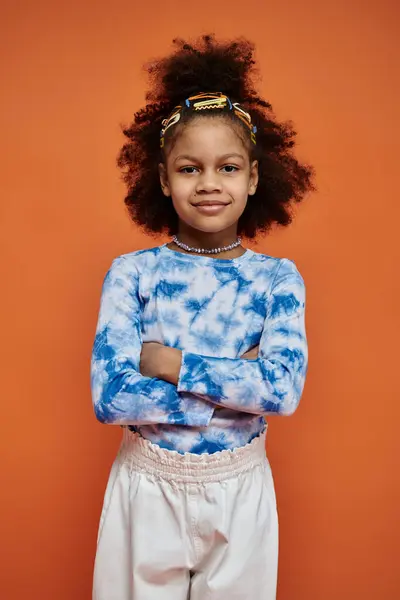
(208, 182)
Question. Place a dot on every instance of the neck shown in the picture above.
(200, 239)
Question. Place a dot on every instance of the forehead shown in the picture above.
(208, 137)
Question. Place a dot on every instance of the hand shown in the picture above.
(162, 362)
(251, 354)
(150, 358)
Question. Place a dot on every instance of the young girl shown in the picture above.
(199, 339)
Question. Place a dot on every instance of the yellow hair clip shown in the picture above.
(207, 101)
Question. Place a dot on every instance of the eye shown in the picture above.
(188, 170)
(229, 169)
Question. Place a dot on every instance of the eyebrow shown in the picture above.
(223, 157)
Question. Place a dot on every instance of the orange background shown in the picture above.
(71, 76)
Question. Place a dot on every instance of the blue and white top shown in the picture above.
(213, 310)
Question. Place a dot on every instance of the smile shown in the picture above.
(210, 207)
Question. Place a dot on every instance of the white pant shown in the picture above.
(175, 527)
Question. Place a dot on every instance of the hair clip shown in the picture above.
(208, 101)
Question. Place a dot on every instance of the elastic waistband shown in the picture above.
(149, 458)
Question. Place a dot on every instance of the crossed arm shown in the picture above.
(142, 383)
(164, 362)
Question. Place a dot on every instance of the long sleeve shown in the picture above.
(121, 395)
(274, 382)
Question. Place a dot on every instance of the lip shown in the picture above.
(210, 202)
(210, 208)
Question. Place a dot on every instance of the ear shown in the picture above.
(253, 180)
(164, 179)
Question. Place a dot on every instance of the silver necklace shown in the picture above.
(207, 250)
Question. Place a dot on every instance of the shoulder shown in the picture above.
(136, 261)
(124, 270)
(139, 257)
(286, 294)
(279, 267)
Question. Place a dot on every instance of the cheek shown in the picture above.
(181, 195)
(181, 188)
(238, 188)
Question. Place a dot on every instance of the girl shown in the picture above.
(199, 339)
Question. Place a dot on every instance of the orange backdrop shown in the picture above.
(72, 74)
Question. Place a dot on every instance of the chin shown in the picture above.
(210, 223)
(211, 227)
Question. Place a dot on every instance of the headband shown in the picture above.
(208, 101)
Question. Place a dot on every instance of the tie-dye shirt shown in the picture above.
(213, 310)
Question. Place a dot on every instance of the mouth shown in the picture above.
(210, 207)
(211, 203)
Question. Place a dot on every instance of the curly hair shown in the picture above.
(227, 67)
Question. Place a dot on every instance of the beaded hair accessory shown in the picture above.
(208, 101)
